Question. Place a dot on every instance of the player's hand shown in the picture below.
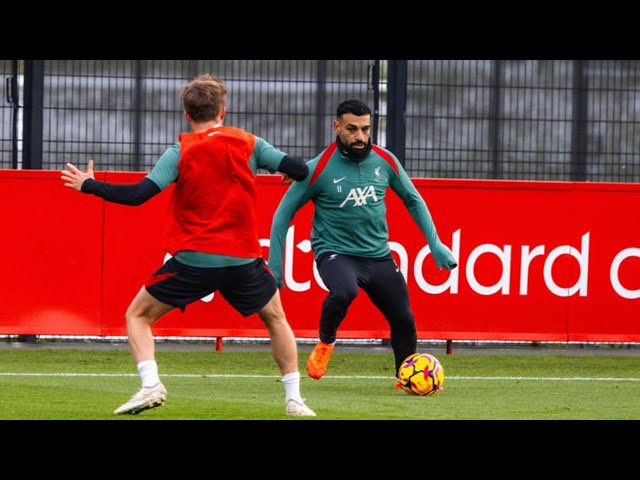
(74, 178)
(443, 256)
(286, 179)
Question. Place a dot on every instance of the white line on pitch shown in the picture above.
(342, 377)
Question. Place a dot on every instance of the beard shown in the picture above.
(355, 154)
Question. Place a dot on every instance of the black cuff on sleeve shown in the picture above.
(93, 187)
(294, 167)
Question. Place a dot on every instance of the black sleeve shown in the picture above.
(126, 194)
(295, 167)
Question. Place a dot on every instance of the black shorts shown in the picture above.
(247, 288)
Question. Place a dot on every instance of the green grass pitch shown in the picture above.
(60, 384)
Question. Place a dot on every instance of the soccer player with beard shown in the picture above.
(347, 184)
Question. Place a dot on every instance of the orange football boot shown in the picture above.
(319, 359)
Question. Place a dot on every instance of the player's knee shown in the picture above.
(345, 296)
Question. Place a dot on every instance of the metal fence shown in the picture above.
(562, 120)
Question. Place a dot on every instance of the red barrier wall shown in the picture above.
(547, 261)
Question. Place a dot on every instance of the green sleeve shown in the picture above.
(265, 156)
(165, 171)
(417, 207)
(295, 197)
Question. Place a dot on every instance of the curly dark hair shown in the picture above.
(354, 106)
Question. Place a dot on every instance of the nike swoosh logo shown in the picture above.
(337, 180)
(212, 134)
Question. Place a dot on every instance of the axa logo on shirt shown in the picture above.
(359, 196)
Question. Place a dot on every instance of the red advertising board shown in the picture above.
(546, 261)
(52, 256)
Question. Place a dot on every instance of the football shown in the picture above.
(421, 374)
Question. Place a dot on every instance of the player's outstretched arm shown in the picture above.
(128, 194)
(74, 178)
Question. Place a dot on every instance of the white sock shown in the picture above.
(291, 383)
(148, 371)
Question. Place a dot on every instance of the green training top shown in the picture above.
(350, 209)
